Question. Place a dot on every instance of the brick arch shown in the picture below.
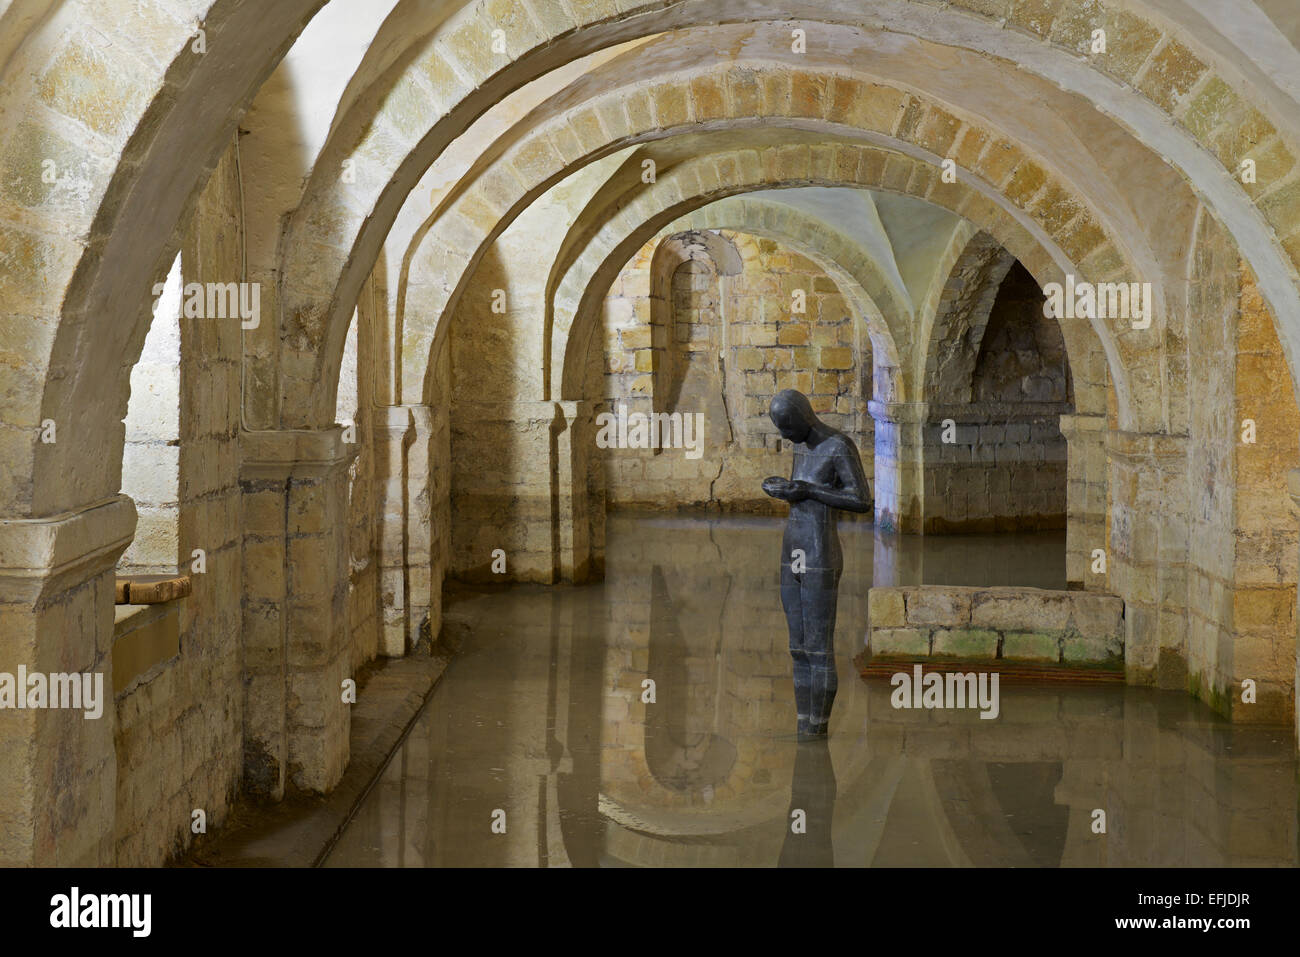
(139, 140)
(470, 221)
(712, 178)
(1128, 91)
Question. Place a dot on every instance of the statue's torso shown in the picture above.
(811, 525)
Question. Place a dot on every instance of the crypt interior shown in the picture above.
(313, 314)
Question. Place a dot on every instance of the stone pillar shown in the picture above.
(296, 644)
(899, 484)
(428, 509)
(520, 485)
(411, 445)
(574, 442)
(394, 434)
(1085, 499)
(58, 769)
(1147, 555)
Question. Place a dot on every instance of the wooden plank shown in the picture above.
(152, 589)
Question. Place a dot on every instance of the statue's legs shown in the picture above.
(809, 600)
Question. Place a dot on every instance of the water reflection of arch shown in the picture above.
(681, 757)
(739, 644)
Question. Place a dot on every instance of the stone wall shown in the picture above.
(994, 466)
(1011, 624)
(515, 457)
(994, 455)
(735, 342)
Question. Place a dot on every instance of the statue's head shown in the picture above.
(793, 415)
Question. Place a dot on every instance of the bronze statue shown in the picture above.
(827, 475)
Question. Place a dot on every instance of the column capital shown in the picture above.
(901, 413)
(42, 554)
(1077, 423)
(393, 418)
(293, 453)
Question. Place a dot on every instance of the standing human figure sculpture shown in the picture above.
(827, 475)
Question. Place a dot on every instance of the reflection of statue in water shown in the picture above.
(812, 792)
(827, 475)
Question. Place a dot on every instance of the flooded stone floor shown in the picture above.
(536, 748)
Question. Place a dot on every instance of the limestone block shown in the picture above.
(1031, 646)
(1097, 616)
(1021, 609)
(1098, 649)
(885, 608)
(889, 642)
(966, 643)
(938, 606)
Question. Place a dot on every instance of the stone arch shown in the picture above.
(800, 233)
(1065, 33)
(900, 480)
(834, 253)
(1018, 327)
(828, 251)
(715, 178)
(961, 316)
(138, 155)
(1176, 66)
(1080, 237)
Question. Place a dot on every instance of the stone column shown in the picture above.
(899, 484)
(520, 486)
(394, 434)
(1147, 555)
(58, 769)
(411, 444)
(575, 440)
(296, 643)
(1085, 499)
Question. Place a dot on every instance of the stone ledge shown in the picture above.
(301, 830)
(997, 623)
(144, 636)
(995, 412)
